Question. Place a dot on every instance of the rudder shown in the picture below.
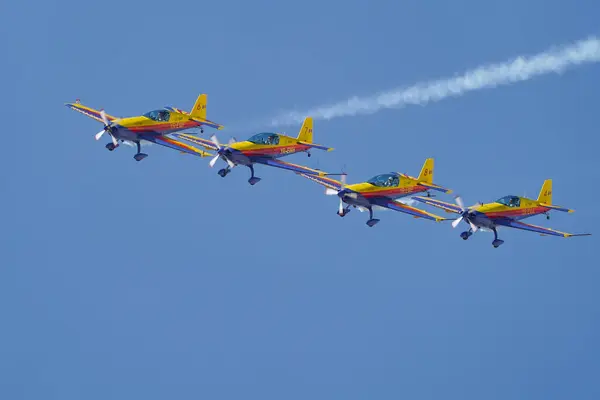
(545, 195)
(306, 131)
(199, 110)
(426, 174)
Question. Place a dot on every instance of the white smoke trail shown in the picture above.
(522, 68)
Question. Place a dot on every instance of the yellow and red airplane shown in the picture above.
(506, 211)
(263, 148)
(153, 126)
(381, 191)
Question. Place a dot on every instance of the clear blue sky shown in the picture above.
(161, 280)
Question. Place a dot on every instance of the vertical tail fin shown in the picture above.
(306, 131)
(426, 174)
(425, 178)
(546, 192)
(199, 110)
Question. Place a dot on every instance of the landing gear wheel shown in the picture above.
(344, 212)
(254, 180)
(223, 172)
(140, 156)
(372, 222)
(465, 235)
(111, 146)
(497, 243)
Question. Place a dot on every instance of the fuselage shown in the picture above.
(130, 128)
(516, 208)
(380, 187)
(246, 152)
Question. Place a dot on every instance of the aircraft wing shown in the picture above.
(175, 144)
(534, 228)
(405, 208)
(207, 144)
(300, 169)
(448, 207)
(89, 112)
(324, 180)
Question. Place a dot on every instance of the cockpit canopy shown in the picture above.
(158, 115)
(265, 138)
(510, 201)
(385, 180)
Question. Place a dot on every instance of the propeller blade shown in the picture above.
(213, 161)
(473, 227)
(460, 203)
(343, 180)
(99, 134)
(231, 141)
(214, 139)
(331, 192)
(103, 116)
(456, 221)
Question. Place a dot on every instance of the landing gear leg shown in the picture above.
(253, 179)
(497, 242)
(139, 156)
(372, 221)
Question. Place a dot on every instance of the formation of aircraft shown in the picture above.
(165, 127)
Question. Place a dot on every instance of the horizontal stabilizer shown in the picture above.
(315, 146)
(208, 123)
(433, 186)
(557, 208)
